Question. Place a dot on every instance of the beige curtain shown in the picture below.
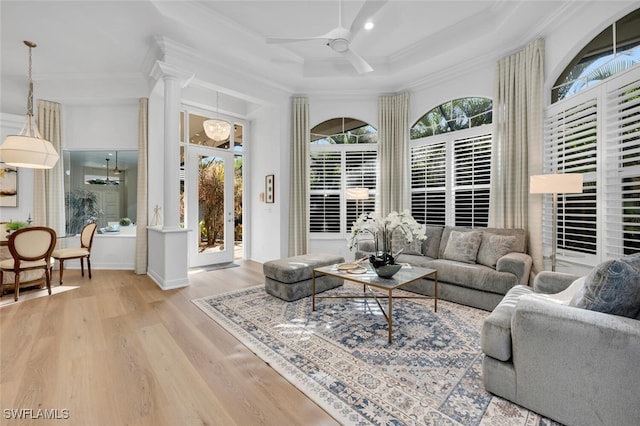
(48, 189)
(393, 134)
(298, 187)
(142, 208)
(517, 144)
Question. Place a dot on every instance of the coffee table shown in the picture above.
(370, 280)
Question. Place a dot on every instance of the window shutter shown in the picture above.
(622, 158)
(428, 183)
(472, 176)
(325, 185)
(361, 167)
(571, 135)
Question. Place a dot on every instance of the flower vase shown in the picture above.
(384, 265)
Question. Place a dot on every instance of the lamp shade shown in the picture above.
(560, 183)
(357, 193)
(218, 130)
(28, 151)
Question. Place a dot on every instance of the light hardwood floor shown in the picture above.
(119, 351)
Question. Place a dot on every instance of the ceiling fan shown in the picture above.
(339, 39)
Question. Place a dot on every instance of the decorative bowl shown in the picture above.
(387, 271)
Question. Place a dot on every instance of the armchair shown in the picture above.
(82, 252)
(30, 250)
(574, 365)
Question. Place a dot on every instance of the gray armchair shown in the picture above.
(573, 365)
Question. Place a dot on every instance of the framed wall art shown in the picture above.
(269, 189)
(8, 186)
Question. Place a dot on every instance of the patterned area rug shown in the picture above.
(339, 356)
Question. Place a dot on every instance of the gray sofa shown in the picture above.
(555, 350)
(477, 268)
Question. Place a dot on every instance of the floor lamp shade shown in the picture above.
(357, 193)
(559, 183)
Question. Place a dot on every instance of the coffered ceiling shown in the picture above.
(93, 42)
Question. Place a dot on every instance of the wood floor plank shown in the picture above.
(119, 350)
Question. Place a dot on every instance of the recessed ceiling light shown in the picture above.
(368, 25)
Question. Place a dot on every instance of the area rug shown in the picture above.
(339, 357)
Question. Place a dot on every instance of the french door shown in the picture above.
(210, 204)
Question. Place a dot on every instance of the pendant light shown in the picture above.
(116, 170)
(107, 181)
(28, 149)
(218, 130)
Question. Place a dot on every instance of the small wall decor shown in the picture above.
(269, 189)
(8, 186)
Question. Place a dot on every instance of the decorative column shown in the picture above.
(168, 243)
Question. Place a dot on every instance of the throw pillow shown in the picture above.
(613, 287)
(463, 246)
(398, 241)
(493, 247)
(432, 245)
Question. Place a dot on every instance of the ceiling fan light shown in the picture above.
(218, 130)
(340, 45)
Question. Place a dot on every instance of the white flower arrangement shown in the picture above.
(382, 229)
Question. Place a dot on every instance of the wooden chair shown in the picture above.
(30, 249)
(82, 252)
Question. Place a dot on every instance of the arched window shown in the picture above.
(344, 155)
(454, 115)
(451, 163)
(594, 129)
(614, 50)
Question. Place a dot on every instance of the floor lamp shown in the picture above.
(357, 194)
(561, 183)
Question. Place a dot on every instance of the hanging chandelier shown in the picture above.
(29, 149)
(216, 129)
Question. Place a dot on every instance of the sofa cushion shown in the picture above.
(431, 247)
(520, 245)
(495, 338)
(493, 247)
(463, 246)
(472, 275)
(613, 287)
(399, 242)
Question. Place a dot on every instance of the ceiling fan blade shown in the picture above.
(281, 40)
(367, 11)
(358, 62)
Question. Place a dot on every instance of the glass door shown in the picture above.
(210, 215)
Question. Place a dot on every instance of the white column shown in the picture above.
(174, 80)
(168, 261)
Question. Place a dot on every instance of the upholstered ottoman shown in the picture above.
(290, 278)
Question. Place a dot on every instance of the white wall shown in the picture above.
(268, 141)
(100, 126)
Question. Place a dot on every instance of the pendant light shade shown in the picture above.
(28, 149)
(216, 129)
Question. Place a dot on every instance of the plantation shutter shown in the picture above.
(360, 170)
(472, 176)
(428, 183)
(571, 136)
(325, 186)
(622, 158)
